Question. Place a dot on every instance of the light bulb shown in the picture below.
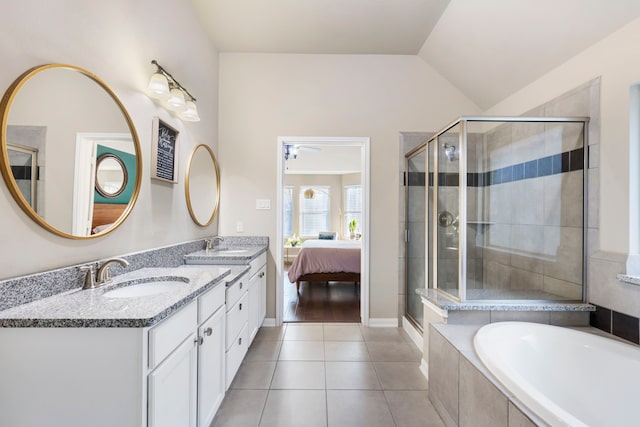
(176, 99)
(158, 86)
(190, 113)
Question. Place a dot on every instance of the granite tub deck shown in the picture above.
(483, 312)
(89, 308)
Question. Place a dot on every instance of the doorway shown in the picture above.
(316, 178)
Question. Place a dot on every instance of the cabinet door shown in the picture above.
(262, 284)
(173, 388)
(254, 306)
(211, 367)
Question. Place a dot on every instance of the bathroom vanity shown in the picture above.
(157, 347)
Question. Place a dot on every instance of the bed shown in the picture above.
(326, 261)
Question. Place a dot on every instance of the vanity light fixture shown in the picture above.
(165, 87)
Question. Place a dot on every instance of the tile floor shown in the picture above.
(332, 374)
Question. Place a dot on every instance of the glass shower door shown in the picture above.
(416, 235)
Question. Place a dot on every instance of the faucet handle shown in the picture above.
(89, 278)
(208, 244)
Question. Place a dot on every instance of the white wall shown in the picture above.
(115, 40)
(263, 96)
(616, 60)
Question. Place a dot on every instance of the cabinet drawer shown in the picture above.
(168, 334)
(210, 301)
(237, 317)
(235, 291)
(236, 353)
(257, 263)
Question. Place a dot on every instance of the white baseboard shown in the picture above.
(414, 334)
(424, 368)
(269, 322)
(383, 322)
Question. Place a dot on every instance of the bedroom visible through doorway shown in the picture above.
(323, 190)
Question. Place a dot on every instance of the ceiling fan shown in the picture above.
(291, 150)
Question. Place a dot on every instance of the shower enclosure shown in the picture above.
(506, 209)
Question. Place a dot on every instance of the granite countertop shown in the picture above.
(443, 302)
(235, 271)
(223, 255)
(90, 309)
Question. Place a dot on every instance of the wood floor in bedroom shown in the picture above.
(321, 302)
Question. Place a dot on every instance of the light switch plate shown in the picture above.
(263, 204)
(239, 227)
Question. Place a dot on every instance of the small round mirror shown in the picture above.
(111, 176)
(202, 185)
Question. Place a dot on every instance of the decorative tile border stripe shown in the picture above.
(568, 161)
(618, 324)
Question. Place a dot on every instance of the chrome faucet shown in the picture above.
(210, 242)
(102, 276)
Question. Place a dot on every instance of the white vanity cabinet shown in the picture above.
(171, 374)
(246, 309)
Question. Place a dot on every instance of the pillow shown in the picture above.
(327, 235)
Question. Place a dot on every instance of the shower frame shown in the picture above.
(462, 199)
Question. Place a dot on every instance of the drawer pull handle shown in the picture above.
(240, 307)
(261, 275)
(199, 340)
(240, 285)
(240, 341)
(208, 332)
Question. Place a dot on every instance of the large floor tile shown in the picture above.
(299, 375)
(241, 408)
(342, 332)
(413, 409)
(382, 334)
(295, 408)
(306, 332)
(271, 333)
(355, 408)
(346, 351)
(254, 375)
(302, 350)
(351, 376)
(263, 351)
(381, 351)
(400, 376)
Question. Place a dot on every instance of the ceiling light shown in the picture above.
(165, 87)
(190, 113)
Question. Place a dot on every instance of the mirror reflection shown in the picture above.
(70, 153)
(111, 176)
(202, 185)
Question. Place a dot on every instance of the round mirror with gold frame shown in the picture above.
(68, 118)
(202, 185)
(111, 176)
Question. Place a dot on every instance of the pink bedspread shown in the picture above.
(324, 260)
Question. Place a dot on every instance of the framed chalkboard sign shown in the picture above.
(164, 152)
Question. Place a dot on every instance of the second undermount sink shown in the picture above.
(146, 287)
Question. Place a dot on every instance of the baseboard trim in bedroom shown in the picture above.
(391, 322)
(269, 322)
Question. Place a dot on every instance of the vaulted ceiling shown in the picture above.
(487, 48)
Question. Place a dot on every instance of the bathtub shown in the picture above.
(565, 377)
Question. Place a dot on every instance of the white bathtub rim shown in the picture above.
(534, 400)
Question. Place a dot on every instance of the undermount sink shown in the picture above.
(231, 251)
(146, 287)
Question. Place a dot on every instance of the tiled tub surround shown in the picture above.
(25, 289)
(619, 324)
(463, 390)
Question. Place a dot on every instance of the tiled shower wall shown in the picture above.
(533, 202)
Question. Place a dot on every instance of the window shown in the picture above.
(352, 207)
(288, 212)
(314, 210)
